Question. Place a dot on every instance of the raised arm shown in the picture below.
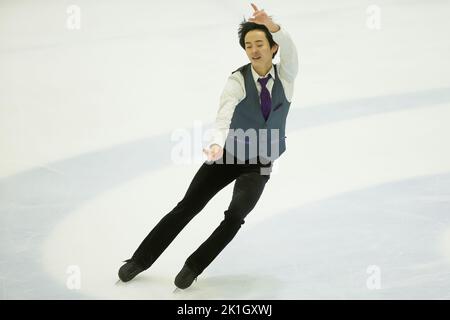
(288, 51)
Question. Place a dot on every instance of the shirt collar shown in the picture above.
(256, 76)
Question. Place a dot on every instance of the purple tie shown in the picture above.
(266, 101)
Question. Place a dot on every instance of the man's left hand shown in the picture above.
(261, 17)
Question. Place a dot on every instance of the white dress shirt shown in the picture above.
(234, 91)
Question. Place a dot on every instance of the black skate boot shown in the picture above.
(129, 270)
(185, 277)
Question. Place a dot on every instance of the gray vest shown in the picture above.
(250, 134)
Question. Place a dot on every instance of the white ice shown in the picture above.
(357, 208)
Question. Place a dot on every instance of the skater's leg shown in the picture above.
(246, 193)
(208, 180)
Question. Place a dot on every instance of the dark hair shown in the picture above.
(247, 26)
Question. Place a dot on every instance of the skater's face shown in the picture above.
(258, 49)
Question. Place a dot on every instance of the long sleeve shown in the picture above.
(232, 94)
(234, 90)
(288, 55)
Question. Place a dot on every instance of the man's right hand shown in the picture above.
(213, 153)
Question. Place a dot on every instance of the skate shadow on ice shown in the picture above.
(238, 286)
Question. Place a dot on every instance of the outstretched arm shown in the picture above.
(231, 95)
(233, 91)
(288, 54)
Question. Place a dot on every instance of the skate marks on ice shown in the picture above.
(232, 286)
(43, 196)
(326, 249)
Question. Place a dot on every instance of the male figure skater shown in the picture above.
(256, 97)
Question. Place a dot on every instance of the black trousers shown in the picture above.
(209, 179)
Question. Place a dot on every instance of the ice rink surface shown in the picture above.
(358, 207)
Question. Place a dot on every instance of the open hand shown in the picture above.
(260, 16)
(214, 153)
